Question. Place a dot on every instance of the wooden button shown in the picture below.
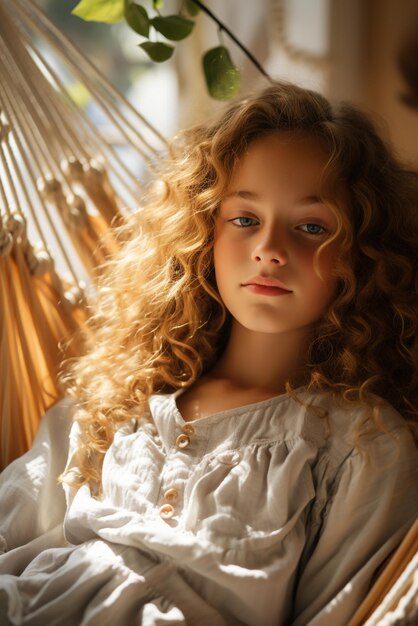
(188, 430)
(166, 511)
(182, 441)
(171, 494)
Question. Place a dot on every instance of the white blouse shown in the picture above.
(264, 515)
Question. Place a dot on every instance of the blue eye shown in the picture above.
(313, 229)
(244, 222)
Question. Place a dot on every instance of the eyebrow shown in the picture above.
(247, 195)
(251, 195)
(310, 200)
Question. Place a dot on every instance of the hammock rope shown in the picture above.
(63, 184)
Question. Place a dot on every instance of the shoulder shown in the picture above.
(58, 419)
(363, 446)
(367, 466)
(363, 425)
(366, 498)
(381, 456)
(51, 439)
(53, 436)
(32, 500)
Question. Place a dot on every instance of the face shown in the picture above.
(269, 228)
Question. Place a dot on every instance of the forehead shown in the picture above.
(282, 156)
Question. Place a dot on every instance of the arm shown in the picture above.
(371, 508)
(31, 499)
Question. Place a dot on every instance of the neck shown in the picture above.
(263, 360)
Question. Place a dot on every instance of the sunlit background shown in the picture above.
(347, 49)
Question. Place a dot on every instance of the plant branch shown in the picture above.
(232, 36)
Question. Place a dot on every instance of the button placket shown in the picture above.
(183, 440)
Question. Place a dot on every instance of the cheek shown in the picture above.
(326, 261)
(320, 278)
(220, 260)
(217, 254)
(225, 253)
(327, 281)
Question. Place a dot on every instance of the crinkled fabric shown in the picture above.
(265, 515)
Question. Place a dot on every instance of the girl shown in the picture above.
(240, 450)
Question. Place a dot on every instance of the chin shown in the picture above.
(268, 327)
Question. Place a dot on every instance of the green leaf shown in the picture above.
(192, 8)
(108, 11)
(222, 77)
(157, 51)
(173, 27)
(137, 18)
(157, 4)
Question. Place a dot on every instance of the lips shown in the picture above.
(266, 281)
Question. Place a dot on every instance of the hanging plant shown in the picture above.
(221, 75)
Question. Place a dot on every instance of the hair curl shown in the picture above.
(158, 321)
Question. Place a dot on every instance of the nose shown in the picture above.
(270, 248)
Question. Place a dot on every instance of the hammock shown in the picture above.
(393, 599)
(62, 185)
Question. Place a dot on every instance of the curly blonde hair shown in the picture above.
(159, 323)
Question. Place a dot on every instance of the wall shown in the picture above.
(388, 22)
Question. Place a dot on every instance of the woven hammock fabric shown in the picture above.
(393, 599)
(63, 183)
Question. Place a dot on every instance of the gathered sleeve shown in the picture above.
(371, 505)
(32, 500)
